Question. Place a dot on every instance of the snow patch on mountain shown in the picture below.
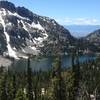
(11, 52)
(24, 26)
(37, 41)
(38, 26)
(23, 32)
(17, 15)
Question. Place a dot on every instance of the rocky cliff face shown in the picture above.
(94, 37)
(23, 32)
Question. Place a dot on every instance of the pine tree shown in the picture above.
(13, 86)
(29, 81)
(59, 90)
(20, 95)
(76, 76)
(36, 80)
(3, 94)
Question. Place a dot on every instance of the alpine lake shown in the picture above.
(45, 63)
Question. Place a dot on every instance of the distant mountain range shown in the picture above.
(81, 30)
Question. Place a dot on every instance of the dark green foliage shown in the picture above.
(3, 88)
(29, 81)
(90, 81)
(14, 86)
(78, 83)
(59, 90)
(20, 95)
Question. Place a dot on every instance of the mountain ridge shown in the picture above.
(23, 32)
(94, 38)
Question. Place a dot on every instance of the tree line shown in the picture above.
(79, 82)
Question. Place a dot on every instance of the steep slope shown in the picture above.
(23, 32)
(94, 38)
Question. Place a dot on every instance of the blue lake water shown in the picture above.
(46, 62)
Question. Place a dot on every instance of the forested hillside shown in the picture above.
(81, 82)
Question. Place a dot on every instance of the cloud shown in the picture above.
(79, 21)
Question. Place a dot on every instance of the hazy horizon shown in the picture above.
(65, 12)
(81, 30)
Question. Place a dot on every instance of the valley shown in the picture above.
(40, 59)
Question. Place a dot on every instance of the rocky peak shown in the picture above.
(7, 5)
(22, 11)
(23, 32)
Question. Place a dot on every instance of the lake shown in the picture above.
(45, 63)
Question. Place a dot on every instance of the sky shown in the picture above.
(65, 12)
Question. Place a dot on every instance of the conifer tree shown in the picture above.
(29, 81)
(59, 90)
(76, 76)
(3, 94)
(20, 95)
(13, 86)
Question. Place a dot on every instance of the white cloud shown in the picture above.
(79, 21)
